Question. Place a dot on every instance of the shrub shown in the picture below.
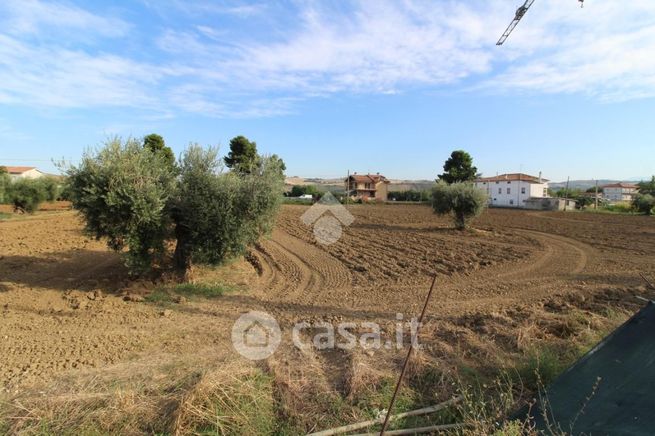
(122, 192)
(50, 188)
(298, 190)
(26, 195)
(582, 202)
(644, 203)
(463, 200)
(410, 195)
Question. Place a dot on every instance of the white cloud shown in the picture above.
(604, 51)
(35, 16)
(58, 77)
(387, 46)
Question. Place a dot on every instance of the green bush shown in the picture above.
(136, 199)
(26, 195)
(298, 190)
(123, 192)
(50, 187)
(463, 200)
(410, 195)
(644, 203)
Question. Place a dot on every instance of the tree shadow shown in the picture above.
(81, 269)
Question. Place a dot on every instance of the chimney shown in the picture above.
(540, 177)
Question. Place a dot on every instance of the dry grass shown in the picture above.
(234, 400)
(161, 396)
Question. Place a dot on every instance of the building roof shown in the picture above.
(19, 170)
(622, 185)
(512, 177)
(368, 178)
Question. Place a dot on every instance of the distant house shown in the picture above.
(367, 187)
(24, 173)
(617, 192)
(513, 190)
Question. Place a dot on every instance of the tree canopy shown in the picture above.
(464, 201)
(243, 155)
(647, 188)
(459, 168)
(156, 144)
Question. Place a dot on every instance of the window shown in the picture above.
(497, 183)
(500, 190)
(522, 190)
(511, 202)
(545, 192)
(509, 183)
(509, 190)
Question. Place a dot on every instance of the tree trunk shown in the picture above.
(182, 255)
(460, 220)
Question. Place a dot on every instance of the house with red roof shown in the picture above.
(24, 172)
(367, 187)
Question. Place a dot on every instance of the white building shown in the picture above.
(24, 173)
(512, 190)
(619, 191)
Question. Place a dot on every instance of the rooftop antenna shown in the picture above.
(520, 12)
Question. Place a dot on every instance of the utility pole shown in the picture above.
(347, 187)
(566, 193)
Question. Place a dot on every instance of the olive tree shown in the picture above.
(644, 203)
(26, 195)
(218, 214)
(464, 201)
(50, 187)
(123, 191)
(136, 199)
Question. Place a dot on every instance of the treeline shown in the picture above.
(411, 195)
(25, 195)
(642, 202)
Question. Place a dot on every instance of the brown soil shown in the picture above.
(62, 306)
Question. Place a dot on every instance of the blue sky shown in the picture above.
(390, 86)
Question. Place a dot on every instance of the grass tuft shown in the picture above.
(166, 294)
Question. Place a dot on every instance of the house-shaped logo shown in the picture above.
(256, 335)
(327, 217)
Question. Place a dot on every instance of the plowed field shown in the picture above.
(61, 294)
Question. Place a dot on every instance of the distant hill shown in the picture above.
(586, 184)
